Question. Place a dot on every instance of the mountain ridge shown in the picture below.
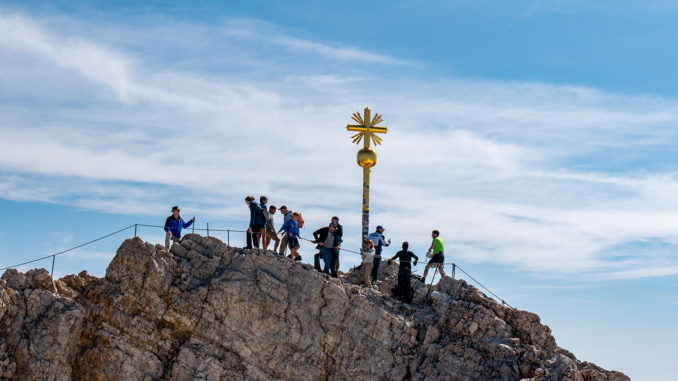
(205, 310)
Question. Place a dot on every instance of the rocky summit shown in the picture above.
(207, 311)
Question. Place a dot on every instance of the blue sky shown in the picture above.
(539, 137)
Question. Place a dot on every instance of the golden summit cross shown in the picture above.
(367, 128)
(367, 131)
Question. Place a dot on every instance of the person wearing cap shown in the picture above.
(404, 288)
(173, 226)
(437, 255)
(379, 242)
(287, 215)
(328, 242)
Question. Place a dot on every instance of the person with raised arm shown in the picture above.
(173, 226)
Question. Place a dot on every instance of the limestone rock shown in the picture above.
(207, 311)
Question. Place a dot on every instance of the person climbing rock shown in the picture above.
(403, 290)
(173, 226)
(287, 215)
(367, 255)
(379, 241)
(291, 229)
(329, 242)
(257, 226)
(437, 255)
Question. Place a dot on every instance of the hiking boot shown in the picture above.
(297, 258)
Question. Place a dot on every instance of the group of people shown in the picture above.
(261, 231)
(371, 255)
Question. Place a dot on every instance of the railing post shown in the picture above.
(193, 228)
(228, 237)
(454, 267)
(52, 276)
(135, 230)
(208, 229)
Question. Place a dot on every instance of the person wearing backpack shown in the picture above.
(263, 200)
(403, 290)
(173, 226)
(328, 241)
(291, 228)
(257, 227)
(270, 229)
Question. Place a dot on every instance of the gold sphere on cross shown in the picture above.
(367, 158)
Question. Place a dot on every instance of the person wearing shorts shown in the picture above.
(291, 229)
(271, 235)
(438, 257)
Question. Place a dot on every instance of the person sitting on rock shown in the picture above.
(328, 241)
(291, 229)
(173, 226)
(437, 257)
(367, 255)
(257, 227)
(379, 242)
(287, 215)
(270, 229)
(404, 289)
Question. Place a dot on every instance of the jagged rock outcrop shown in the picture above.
(208, 311)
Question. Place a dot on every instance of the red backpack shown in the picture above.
(300, 223)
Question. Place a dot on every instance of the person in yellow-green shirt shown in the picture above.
(437, 257)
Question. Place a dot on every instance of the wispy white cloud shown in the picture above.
(527, 174)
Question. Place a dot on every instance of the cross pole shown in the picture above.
(367, 131)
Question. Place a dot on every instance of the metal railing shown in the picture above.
(228, 242)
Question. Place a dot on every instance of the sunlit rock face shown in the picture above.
(207, 311)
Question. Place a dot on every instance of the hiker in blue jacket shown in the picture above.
(257, 226)
(173, 226)
(379, 242)
(291, 229)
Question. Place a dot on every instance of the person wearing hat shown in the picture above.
(328, 242)
(173, 226)
(379, 242)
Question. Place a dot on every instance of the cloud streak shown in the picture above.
(541, 177)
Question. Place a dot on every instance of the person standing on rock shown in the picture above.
(368, 262)
(437, 258)
(287, 215)
(173, 226)
(328, 242)
(257, 227)
(270, 229)
(263, 200)
(334, 268)
(379, 242)
(404, 289)
(291, 229)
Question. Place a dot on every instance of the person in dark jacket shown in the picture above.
(403, 290)
(257, 226)
(173, 226)
(334, 269)
(328, 241)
